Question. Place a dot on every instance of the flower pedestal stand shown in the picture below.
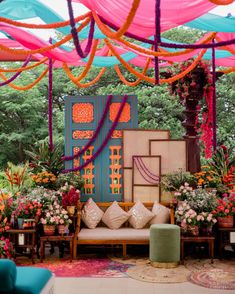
(200, 239)
(59, 240)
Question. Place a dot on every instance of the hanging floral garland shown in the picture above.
(197, 85)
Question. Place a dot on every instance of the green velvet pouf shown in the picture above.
(164, 245)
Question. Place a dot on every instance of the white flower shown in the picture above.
(66, 217)
(186, 184)
(48, 214)
(52, 219)
(61, 221)
(177, 194)
(57, 211)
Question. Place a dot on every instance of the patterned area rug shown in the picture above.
(85, 267)
(214, 278)
(221, 274)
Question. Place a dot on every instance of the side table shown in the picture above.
(224, 238)
(210, 240)
(61, 238)
(23, 238)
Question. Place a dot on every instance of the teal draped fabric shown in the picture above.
(213, 23)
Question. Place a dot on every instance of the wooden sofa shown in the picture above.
(131, 236)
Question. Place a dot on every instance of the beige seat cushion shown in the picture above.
(91, 214)
(139, 215)
(115, 216)
(162, 214)
(103, 233)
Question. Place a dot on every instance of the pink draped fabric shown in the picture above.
(173, 13)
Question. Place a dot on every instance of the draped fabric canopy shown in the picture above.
(193, 14)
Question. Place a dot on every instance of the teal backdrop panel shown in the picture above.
(103, 176)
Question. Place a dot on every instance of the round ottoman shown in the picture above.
(164, 245)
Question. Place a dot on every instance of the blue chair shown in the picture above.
(24, 280)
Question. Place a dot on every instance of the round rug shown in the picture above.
(148, 273)
(214, 278)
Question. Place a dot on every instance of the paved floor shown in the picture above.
(127, 286)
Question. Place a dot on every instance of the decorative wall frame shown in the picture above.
(173, 154)
(146, 174)
(136, 142)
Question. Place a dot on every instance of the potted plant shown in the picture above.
(172, 182)
(6, 248)
(70, 198)
(45, 179)
(54, 215)
(225, 210)
(26, 208)
(188, 219)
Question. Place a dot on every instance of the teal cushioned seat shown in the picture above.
(31, 280)
(164, 244)
(7, 276)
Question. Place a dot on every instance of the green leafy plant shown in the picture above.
(72, 178)
(17, 178)
(173, 181)
(42, 158)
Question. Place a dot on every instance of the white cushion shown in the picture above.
(103, 233)
(139, 215)
(114, 216)
(161, 214)
(91, 214)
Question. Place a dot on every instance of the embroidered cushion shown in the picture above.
(91, 214)
(139, 215)
(161, 214)
(115, 216)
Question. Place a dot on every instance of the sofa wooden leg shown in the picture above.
(124, 250)
(75, 250)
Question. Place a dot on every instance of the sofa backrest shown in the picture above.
(126, 206)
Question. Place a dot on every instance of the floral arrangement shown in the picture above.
(223, 164)
(225, 206)
(173, 181)
(27, 208)
(206, 218)
(182, 193)
(185, 215)
(4, 225)
(201, 200)
(207, 177)
(45, 179)
(72, 178)
(6, 247)
(70, 195)
(55, 214)
(199, 78)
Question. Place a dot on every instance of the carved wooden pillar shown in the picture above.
(191, 136)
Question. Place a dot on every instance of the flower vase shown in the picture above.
(62, 229)
(20, 222)
(206, 230)
(71, 210)
(226, 221)
(193, 231)
(49, 230)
